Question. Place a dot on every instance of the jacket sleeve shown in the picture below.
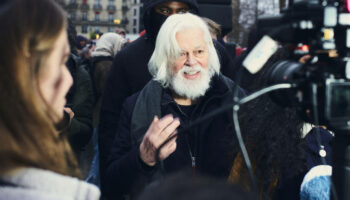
(125, 170)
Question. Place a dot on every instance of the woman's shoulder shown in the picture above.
(34, 183)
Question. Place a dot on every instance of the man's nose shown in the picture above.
(190, 60)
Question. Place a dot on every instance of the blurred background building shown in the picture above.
(236, 17)
(95, 16)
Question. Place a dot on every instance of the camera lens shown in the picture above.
(284, 72)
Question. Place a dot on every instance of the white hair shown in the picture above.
(191, 89)
(167, 49)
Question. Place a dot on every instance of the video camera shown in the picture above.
(323, 26)
(321, 89)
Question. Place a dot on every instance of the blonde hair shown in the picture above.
(28, 137)
(214, 27)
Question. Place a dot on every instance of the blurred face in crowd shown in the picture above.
(172, 7)
(82, 43)
(55, 79)
(190, 74)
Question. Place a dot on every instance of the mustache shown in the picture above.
(187, 69)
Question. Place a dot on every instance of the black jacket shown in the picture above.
(80, 99)
(129, 74)
(211, 142)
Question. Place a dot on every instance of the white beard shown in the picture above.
(192, 89)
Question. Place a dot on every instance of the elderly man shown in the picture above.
(186, 85)
(129, 73)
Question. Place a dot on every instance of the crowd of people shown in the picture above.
(113, 119)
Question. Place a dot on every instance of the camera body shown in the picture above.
(324, 27)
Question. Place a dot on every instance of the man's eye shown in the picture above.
(200, 52)
(164, 11)
(182, 11)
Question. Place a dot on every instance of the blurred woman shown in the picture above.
(36, 160)
(102, 57)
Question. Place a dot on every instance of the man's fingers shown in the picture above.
(158, 125)
(158, 132)
(167, 149)
(170, 129)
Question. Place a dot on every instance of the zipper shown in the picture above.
(192, 154)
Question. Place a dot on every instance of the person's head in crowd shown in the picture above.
(108, 45)
(183, 186)
(184, 58)
(81, 42)
(157, 11)
(214, 28)
(121, 32)
(85, 53)
(34, 81)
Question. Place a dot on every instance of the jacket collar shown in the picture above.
(34, 180)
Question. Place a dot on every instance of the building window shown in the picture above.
(97, 1)
(84, 16)
(110, 17)
(97, 17)
(134, 22)
(73, 1)
(110, 29)
(111, 2)
(84, 29)
(135, 11)
(97, 29)
(135, 1)
(72, 15)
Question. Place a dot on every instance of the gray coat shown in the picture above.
(39, 184)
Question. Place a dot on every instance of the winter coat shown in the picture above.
(317, 183)
(293, 188)
(129, 74)
(106, 48)
(80, 99)
(100, 68)
(39, 184)
(210, 142)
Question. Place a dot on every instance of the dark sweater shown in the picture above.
(210, 142)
